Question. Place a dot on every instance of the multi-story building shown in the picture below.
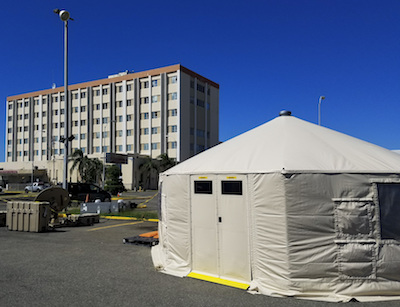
(169, 110)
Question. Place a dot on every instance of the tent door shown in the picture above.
(220, 236)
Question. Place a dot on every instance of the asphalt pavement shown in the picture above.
(91, 266)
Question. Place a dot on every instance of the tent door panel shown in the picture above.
(220, 235)
(233, 233)
(204, 226)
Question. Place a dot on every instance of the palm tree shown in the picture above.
(146, 168)
(94, 170)
(79, 161)
(165, 162)
(90, 170)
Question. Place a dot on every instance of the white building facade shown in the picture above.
(170, 110)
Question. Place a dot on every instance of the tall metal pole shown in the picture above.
(66, 110)
(319, 109)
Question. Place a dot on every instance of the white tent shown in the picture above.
(289, 208)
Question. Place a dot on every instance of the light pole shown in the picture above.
(64, 16)
(319, 109)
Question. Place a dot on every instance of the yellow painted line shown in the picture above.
(121, 218)
(220, 281)
(147, 200)
(127, 218)
(113, 226)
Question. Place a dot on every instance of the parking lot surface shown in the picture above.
(90, 266)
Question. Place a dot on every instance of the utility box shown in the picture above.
(28, 216)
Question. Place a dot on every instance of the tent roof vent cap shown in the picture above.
(285, 113)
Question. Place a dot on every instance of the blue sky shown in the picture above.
(266, 55)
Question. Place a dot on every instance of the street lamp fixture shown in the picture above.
(319, 109)
(65, 16)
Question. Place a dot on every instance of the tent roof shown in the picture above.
(287, 143)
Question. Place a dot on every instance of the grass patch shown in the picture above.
(136, 214)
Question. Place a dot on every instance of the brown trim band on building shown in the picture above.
(141, 74)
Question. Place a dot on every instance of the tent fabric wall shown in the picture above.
(173, 252)
(314, 213)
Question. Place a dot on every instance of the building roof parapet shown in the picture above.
(131, 76)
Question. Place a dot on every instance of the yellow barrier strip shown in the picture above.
(220, 281)
(112, 226)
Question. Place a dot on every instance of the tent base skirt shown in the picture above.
(220, 281)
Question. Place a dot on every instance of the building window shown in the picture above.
(96, 135)
(129, 132)
(37, 114)
(25, 116)
(129, 87)
(129, 102)
(154, 83)
(44, 113)
(154, 98)
(62, 125)
(76, 123)
(83, 122)
(83, 136)
(25, 153)
(200, 133)
(154, 114)
(97, 121)
(200, 88)
(55, 125)
(119, 147)
(26, 141)
(154, 130)
(96, 92)
(128, 117)
(10, 106)
(75, 109)
(120, 133)
(145, 115)
(154, 146)
(172, 145)
(144, 84)
(83, 108)
(128, 147)
(105, 91)
(120, 118)
(192, 83)
(173, 112)
(62, 98)
(200, 103)
(173, 128)
(105, 106)
(144, 100)
(9, 130)
(10, 118)
(83, 94)
(173, 79)
(62, 111)
(145, 146)
(105, 134)
(105, 120)
(119, 103)
(119, 89)
(97, 149)
(55, 112)
(173, 96)
(145, 131)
